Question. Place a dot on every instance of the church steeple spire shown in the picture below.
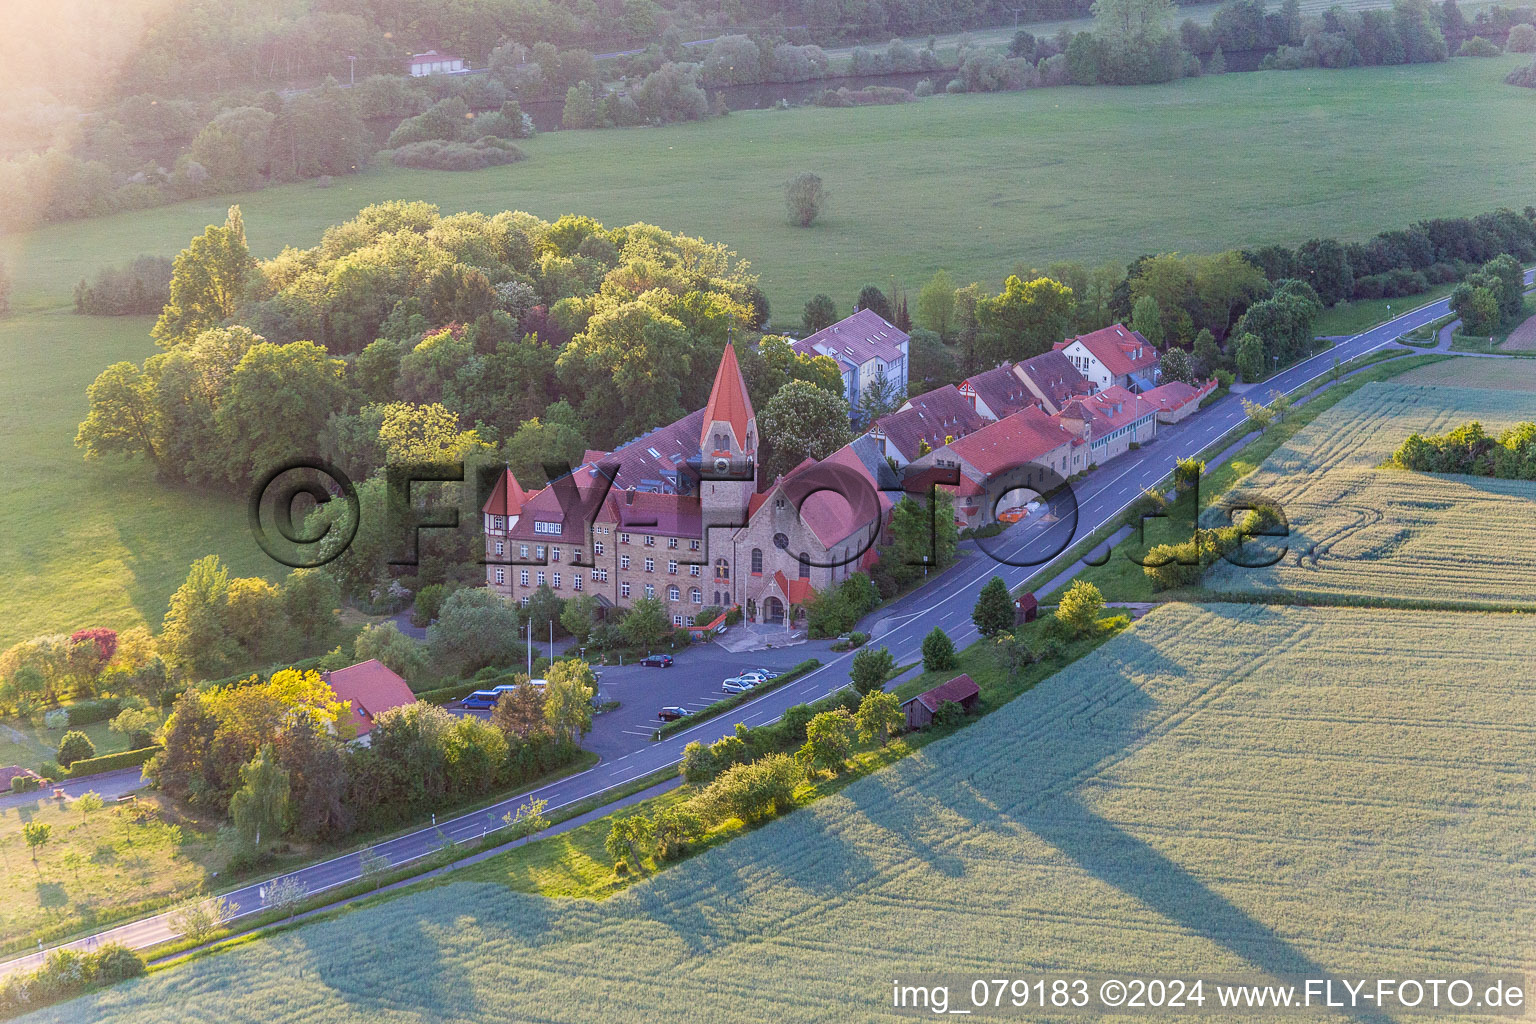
(729, 416)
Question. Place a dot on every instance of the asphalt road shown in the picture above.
(623, 739)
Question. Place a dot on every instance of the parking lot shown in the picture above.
(692, 682)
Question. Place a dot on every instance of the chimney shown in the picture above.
(629, 496)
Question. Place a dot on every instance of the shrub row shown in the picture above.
(488, 151)
(725, 704)
(110, 762)
(65, 974)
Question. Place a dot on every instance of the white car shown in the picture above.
(739, 684)
(762, 675)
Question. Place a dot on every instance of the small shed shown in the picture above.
(960, 690)
(1025, 608)
(434, 63)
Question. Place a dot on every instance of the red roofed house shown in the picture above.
(1114, 356)
(1052, 379)
(997, 392)
(1109, 421)
(372, 689)
(1028, 449)
(1176, 400)
(961, 690)
(931, 419)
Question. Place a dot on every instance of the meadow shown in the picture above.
(1499, 374)
(1219, 789)
(975, 184)
(1362, 531)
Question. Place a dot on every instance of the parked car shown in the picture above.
(481, 699)
(739, 684)
(657, 660)
(766, 673)
(672, 714)
(762, 675)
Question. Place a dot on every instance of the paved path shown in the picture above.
(1021, 555)
(108, 785)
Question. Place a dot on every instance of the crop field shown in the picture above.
(1192, 796)
(1360, 531)
(1498, 374)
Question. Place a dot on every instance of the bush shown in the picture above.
(804, 196)
(110, 762)
(1477, 46)
(752, 791)
(1522, 39)
(139, 288)
(25, 784)
(75, 746)
(58, 718)
(67, 973)
(1080, 607)
(938, 651)
(488, 151)
(923, 88)
(89, 712)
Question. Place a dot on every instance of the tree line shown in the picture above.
(1471, 450)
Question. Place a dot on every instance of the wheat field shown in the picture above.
(1226, 788)
(1361, 531)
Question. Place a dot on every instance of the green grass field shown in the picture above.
(976, 184)
(1360, 531)
(1219, 789)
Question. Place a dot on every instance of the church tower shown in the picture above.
(727, 468)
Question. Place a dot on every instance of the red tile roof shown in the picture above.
(1176, 394)
(855, 340)
(795, 591)
(666, 515)
(1110, 409)
(929, 417)
(508, 497)
(1022, 437)
(1000, 390)
(958, 689)
(1055, 376)
(728, 402)
(833, 502)
(372, 689)
(1119, 348)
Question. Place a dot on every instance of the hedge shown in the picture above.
(88, 712)
(725, 704)
(109, 762)
(449, 694)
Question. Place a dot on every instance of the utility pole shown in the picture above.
(352, 67)
(530, 648)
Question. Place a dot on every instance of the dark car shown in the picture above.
(672, 714)
(657, 660)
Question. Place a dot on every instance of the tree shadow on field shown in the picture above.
(1113, 717)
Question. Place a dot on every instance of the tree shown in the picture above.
(37, 834)
(1207, 355)
(300, 379)
(879, 716)
(393, 649)
(581, 108)
(1147, 318)
(1251, 360)
(1323, 263)
(994, 608)
(74, 746)
(804, 195)
(579, 617)
(1176, 364)
(1080, 607)
(253, 616)
(627, 841)
(646, 624)
(311, 599)
(1259, 415)
(800, 421)
(871, 668)
(89, 802)
(373, 866)
(924, 533)
(208, 281)
(1216, 63)
(124, 418)
(1026, 319)
(568, 690)
(938, 651)
(193, 636)
(284, 895)
(874, 300)
(936, 304)
(674, 829)
(880, 395)
(820, 312)
(260, 806)
(199, 920)
(829, 740)
(543, 611)
(1187, 473)
(475, 628)
(520, 711)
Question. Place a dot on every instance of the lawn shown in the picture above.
(977, 184)
(100, 543)
(30, 743)
(1361, 531)
(1219, 789)
(97, 867)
